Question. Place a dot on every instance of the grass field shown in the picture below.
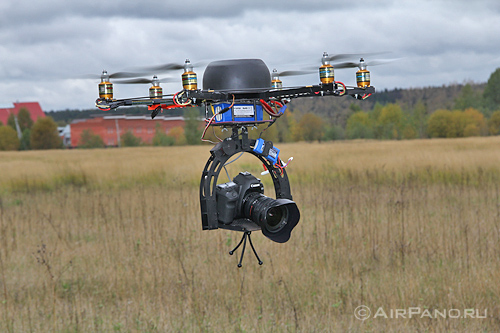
(111, 240)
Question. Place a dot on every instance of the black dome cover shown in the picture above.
(237, 74)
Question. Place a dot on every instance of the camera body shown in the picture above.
(230, 196)
(243, 198)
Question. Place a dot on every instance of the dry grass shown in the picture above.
(102, 240)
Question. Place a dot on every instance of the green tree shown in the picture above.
(409, 132)
(11, 121)
(390, 120)
(466, 123)
(270, 133)
(457, 124)
(128, 139)
(192, 124)
(419, 119)
(44, 134)
(494, 123)
(8, 138)
(476, 119)
(295, 130)
(491, 94)
(177, 133)
(468, 98)
(24, 119)
(355, 107)
(359, 126)
(161, 138)
(284, 127)
(374, 115)
(334, 132)
(312, 127)
(438, 123)
(25, 140)
(90, 140)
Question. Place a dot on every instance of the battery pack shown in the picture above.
(267, 149)
(243, 113)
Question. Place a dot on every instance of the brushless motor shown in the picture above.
(105, 87)
(189, 78)
(275, 80)
(326, 73)
(155, 91)
(363, 75)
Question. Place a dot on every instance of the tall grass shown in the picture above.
(107, 240)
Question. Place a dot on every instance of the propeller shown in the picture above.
(362, 64)
(163, 67)
(144, 80)
(117, 75)
(327, 58)
(291, 73)
(147, 70)
(170, 67)
(338, 56)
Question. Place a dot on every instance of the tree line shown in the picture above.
(453, 111)
(442, 112)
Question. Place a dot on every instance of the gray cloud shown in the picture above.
(46, 46)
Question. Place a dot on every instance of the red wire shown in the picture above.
(278, 165)
(343, 85)
(269, 109)
(206, 127)
(277, 103)
(210, 121)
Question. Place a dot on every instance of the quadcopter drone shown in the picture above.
(238, 94)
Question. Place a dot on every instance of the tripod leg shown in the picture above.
(237, 246)
(243, 250)
(253, 248)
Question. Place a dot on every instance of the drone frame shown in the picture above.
(198, 97)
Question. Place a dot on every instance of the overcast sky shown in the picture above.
(46, 46)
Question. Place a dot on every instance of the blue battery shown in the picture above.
(259, 146)
(238, 113)
(273, 154)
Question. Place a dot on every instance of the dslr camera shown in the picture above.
(243, 198)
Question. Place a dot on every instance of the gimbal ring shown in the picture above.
(220, 154)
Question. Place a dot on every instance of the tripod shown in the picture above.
(243, 240)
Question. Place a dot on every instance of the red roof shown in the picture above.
(33, 107)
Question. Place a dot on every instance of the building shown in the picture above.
(33, 107)
(110, 128)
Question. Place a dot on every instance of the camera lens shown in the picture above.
(276, 217)
(242, 201)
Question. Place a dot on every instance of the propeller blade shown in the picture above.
(342, 56)
(134, 81)
(143, 80)
(346, 65)
(163, 68)
(168, 67)
(353, 55)
(358, 64)
(380, 62)
(294, 73)
(117, 75)
(123, 75)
